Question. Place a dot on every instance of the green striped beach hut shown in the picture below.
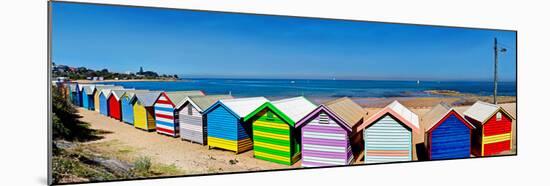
(275, 138)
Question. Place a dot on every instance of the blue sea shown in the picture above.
(323, 88)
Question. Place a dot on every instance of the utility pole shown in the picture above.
(496, 73)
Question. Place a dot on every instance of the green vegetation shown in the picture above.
(76, 73)
(74, 161)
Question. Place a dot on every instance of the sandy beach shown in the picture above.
(193, 158)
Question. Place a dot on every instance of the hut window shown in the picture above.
(189, 110)
(323, 119)
(499, 116)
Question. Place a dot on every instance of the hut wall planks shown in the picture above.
(272, 139)
(143, 117)
(127, 109)
(103, 105)
(87, 100)
(497, 135)
(387, 140)
(325, 142)
(191, 124)
(166, 117)
(96, 101)
(114, 107)
(450, 139)
(222, 129)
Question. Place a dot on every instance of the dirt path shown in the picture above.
(190, 158)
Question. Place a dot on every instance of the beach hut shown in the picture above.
(447, 135)
(115, 109)
(225, 126)
(493, 133)
(388, 134)
(100, 99)
(74, 98)
(127, 107)
(330, 135)
(275, 138)
(166, 114)
(191, 120)
(144, 111)
(88, 96)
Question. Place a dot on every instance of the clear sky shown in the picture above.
(210, 44)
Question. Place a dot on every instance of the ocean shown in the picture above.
(273, 88)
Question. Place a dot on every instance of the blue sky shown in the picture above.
(209, 44)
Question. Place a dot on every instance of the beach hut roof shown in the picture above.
(436, 114)
(482, 111)
(147, 98)
(347, 110)
(295, 108)
(89, 89)
(203, 102)
(119, 92)
(291, 110)
(399, 111)
(72, 87)
(132, 93)
(106, 91)
(241, 107)
(178, 97)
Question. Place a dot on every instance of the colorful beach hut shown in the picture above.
(166, 114)
(275, 138)
(388, 134)
(225, 126)
(97, 98)
(191, 120)
(144, 111)
(330, 133)
(447, 135)
(103, 100)
(73, 97)
(88, 96)
(115, 109)
(493, 133)
(127, 107)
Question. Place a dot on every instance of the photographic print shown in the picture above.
(142, 92)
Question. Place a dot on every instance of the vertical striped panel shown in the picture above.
(85, 100)
(222, 129)
(325, 143)
(191, 125)
(166, 118)
(127, 110)
(451, 139)
(387, 141)
(272, 139)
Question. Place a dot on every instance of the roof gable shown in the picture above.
(290, 110)
(240, 107)
(482, 111)
(147, 99)
(350, 112)
(438, 114)
(178, 97)
(398, 111)
(201, 103)
(319, 109)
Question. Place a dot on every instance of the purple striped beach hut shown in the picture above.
(329, 134)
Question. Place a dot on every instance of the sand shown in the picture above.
(194, 158)
(189, 157)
